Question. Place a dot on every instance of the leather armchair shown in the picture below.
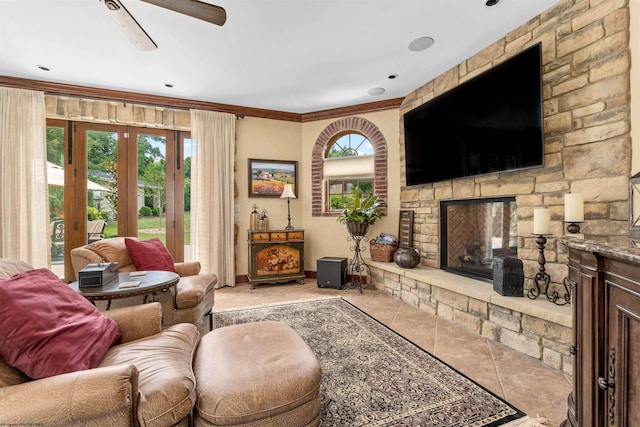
(146, 380)
(190, 301)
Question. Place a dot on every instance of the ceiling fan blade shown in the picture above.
(197, 9)
(134, 31)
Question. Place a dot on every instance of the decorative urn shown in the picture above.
(357, 228)
(407, 257)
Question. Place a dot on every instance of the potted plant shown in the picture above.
(361, 213)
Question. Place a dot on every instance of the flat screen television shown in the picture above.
(490, 123)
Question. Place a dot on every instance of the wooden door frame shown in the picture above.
(174, 179)
(75, 178)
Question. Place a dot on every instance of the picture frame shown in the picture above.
(268, 177)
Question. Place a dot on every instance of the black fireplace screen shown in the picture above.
(474, 231)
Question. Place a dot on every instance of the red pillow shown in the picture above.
(47, 328)
(150, 255)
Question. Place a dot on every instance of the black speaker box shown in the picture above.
(331, 272)
(508, 276)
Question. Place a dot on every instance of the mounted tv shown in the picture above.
(490, 123)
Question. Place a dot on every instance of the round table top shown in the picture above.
(151, 282)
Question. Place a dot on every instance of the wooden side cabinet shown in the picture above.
(275, 256)
(606, 316)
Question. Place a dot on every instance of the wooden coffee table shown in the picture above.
(150, 285)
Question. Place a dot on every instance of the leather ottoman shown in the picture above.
(256, 374)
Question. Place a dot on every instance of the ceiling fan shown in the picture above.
(139, 37)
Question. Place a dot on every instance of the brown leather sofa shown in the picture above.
(190, 301)
(147, 380)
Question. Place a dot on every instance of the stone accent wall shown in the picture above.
(114, 112)
(544, 334)
(586, 89)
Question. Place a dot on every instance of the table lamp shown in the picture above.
(287, 193)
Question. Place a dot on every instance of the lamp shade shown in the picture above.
(287, 192)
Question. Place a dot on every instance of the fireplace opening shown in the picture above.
(474, 231)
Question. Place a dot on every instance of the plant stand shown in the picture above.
(357, 268)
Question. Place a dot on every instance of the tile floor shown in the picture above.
(521, 380)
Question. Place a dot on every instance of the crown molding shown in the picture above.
(63, 89)
(369, 107)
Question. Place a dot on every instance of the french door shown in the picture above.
(130, 178)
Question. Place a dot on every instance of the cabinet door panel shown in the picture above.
(267, 260)
(588, 360)
(623, 395)
(290, 259)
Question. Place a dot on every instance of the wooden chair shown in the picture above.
(95, 230)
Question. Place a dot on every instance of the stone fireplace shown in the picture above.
(474, 231)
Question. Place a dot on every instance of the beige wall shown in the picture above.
(277, 140)
(268, 140)
(325, 236)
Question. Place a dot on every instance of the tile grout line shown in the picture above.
(497, 371)
(395, 316)
(435, 335)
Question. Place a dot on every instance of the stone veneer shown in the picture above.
(536, 328)
(116, 112)
(586, 91)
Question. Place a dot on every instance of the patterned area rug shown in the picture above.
(372, 376)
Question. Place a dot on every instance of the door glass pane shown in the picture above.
(188, 154)
(55, 177)
(152, 187)
(102, 184)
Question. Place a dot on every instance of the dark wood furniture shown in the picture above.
(151, 284)
(275, 256)
(605, 276)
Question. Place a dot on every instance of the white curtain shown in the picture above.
(24, 212)
(213, 138)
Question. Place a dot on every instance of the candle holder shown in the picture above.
(573, 227)
(541, 279)
(566, 298)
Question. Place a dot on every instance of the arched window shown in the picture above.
(349, 152)
(348, 164)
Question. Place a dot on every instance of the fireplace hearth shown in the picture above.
(474, 231)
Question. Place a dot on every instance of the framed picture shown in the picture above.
(268, 177)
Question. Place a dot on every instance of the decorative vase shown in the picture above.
(407, 257)
(358, 228)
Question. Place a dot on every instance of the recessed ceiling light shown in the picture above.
(421, 43)
(168, 85)
(392, 76)
(43, 67)
(492, 2)
(376, 91)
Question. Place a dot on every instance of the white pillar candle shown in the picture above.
(573, 208)
(541, 221)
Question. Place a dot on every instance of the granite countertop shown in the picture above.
(624, 247)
